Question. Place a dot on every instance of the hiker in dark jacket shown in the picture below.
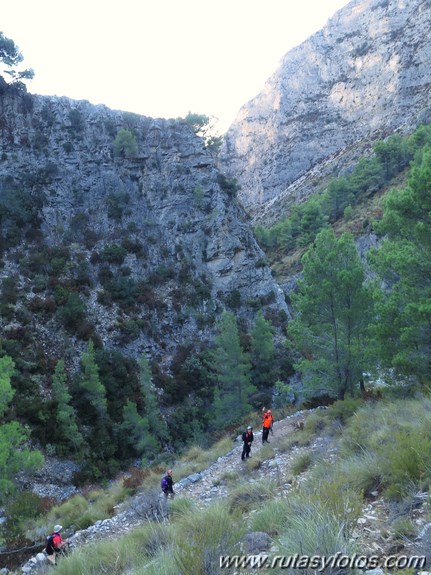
(247, 438)
(168, 484)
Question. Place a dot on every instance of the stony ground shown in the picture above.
(373, 532)
(215, 481)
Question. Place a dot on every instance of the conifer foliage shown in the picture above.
(14, 456)
(403, 264)
(11, 58)
(67, 426)
(231, 366)
(332, 314)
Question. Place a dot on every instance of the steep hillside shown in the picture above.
(120, 241)
(364, 76)
(319, 489)
(145, 234)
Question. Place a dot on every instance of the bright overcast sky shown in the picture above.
(160, 58)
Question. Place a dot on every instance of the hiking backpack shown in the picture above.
(164, 484)
(49, 544)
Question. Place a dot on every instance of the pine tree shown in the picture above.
(14, 456)
(157, 424)
(403, 264)
(332, 309)
(7, 368)
(231, 367)
(90, 384)
(263, 352)
(103, 448)
(65, 414)
(10, 59)
(136, 429)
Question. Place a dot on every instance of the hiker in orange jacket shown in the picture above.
(267, 423)
(272, 422)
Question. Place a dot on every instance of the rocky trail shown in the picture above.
(212, 483)
(373, 532)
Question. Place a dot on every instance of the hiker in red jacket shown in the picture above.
(55, 544)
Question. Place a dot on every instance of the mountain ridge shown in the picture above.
(361, 78)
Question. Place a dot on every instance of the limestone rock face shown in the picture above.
(150, 224)
(365, 75)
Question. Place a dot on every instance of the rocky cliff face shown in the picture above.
(365, 75)
(146, 234)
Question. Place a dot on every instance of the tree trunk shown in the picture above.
(362, 386)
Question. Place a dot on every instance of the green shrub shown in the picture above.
(228, 185)
(58, 266)
(233, 299)
(40, 283)
(124, 291)
(258, 457)
(73, 312)
(116, 203)
(271, 517)
(348, 213)
(161, 274)
(404, 527)
(133, 246)
(125, 144)
(312, 526)
(195, 454)
(9, 290)
(201, 537)
(152, 538)
(113, 254)
(406, 463)
(198, 194)
(7, 311)
(315, 422)
(68, 147)
(361, 472)
(163, 564)
(80, 512)
(77, 122)
(196, 458)
(398, 435)
(300, 438)
(229, 477)
(129, 329)
(18, 512)
(61, 294)
(342, 411)
(181, 506)
(334, 488)
(113, 557)
(301, 462)
(69, 514)
(243, 500)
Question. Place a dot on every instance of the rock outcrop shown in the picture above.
(364, 76)
(143, 225)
